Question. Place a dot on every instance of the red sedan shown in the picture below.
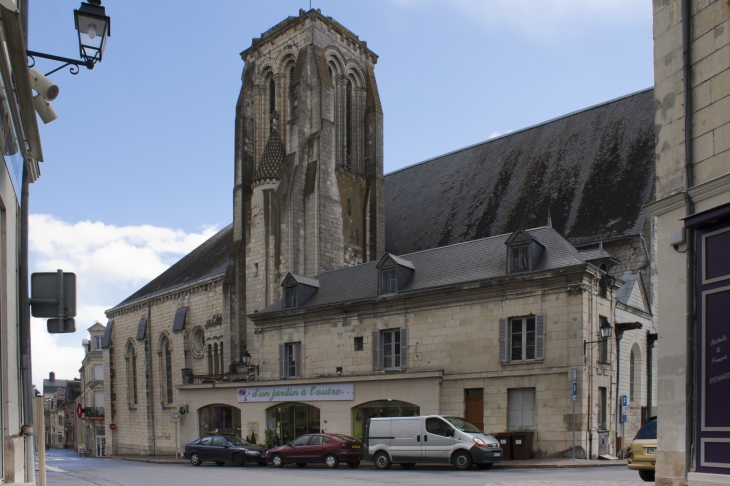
(327, 448)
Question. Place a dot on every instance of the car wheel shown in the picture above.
(407, 465)
(485, 466)
(195, 459)
(461, 460)
(646, 475)
(219, 463)
(331, 461)
(277, 461)
(262, 463)
(237, 460)
(353, 464)
(382, 460)
(301, 464)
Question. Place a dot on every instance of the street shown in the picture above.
(65, 468)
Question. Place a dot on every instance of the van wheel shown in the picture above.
(407, 465)
(461, 460)
(646, 475)
(382, 460)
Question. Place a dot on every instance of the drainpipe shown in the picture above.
(690, 238)
(26, 376)
(650, 340)
(148, 375)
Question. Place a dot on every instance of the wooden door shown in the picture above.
(474, 406)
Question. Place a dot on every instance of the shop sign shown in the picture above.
(310, 393)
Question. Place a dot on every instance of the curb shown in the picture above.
(500, 465)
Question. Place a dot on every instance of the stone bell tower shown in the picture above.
(309, 189)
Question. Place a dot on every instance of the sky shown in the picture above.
(138, 168)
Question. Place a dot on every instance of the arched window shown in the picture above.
(272, 96)
(166, 369)
(220, 358)
(632, 376)
(291, 73)
(210, 359)
(216, 363)
(348, 125)
(131, 359)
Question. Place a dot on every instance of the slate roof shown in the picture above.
(208, 260)
(595, 254)
(50, 386)
(623, 293)
(439, 267)
(593, 168)
(312, 282)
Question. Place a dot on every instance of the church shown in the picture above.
(478, 283)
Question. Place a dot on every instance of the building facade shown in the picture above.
(314, 213)
(92, 426)
(692, 209)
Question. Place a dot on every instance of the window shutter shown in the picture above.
(503, 340)
(282, 360)
(298, 360)
(540, 336)
(404, 348)
(377, 352)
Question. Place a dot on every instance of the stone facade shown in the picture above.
(309, 200)
(686, 186)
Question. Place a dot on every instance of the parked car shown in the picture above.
(330, 449)
(224, 448)
(642, 453)
(434, 438)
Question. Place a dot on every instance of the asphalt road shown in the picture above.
(65, 468)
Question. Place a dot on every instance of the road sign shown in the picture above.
(174, 420)
(624, 403)
(113, 426)
(79, 410)
(574, 389)
(45, 289)
(174, 416)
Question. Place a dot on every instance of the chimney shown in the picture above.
(52, 376)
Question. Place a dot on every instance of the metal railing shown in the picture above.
(94, 412)
(217, 378)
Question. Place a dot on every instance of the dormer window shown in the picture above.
(290, 297)
(394, 273)
(298, 290)
(523, 252)
(97, 343)
(520, 258)
(388, 282)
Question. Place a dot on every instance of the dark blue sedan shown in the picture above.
(221, 449)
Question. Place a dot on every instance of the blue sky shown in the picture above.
(139, 165)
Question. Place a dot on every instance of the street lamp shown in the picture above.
(94, 27)
(604, 332)
(253, 370)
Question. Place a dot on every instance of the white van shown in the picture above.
(431, 438)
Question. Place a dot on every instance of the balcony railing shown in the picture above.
(189, 378)
(94, 412)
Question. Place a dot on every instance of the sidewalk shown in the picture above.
(532, 463)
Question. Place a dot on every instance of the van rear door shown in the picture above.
(406, 443)
(378, 435)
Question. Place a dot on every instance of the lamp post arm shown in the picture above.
(74, 63)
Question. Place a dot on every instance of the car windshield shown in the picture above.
(648, 431)
(237, 441)
(463, 425)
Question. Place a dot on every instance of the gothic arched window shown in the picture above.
(131, 359)
(348, 125)
(166, 369)
(272, 96)
(216, 363)
(210, 359)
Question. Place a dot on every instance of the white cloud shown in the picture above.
(110, 263)
(543, 18)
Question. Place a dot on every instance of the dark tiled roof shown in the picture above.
(50, 386)
(594, 169)
(595, 254)
(312, 282)
(438, 267)
(623, 294)
(207, 260)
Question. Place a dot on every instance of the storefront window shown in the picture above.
(219, 420)
(288, 421)
(380, 408)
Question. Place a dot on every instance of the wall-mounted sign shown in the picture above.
(286, 393)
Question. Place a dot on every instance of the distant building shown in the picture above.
(465, 285)
(93, 426)
(60, 396)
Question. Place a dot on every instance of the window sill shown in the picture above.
(523, 362)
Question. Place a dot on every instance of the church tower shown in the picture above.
(309, 190)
